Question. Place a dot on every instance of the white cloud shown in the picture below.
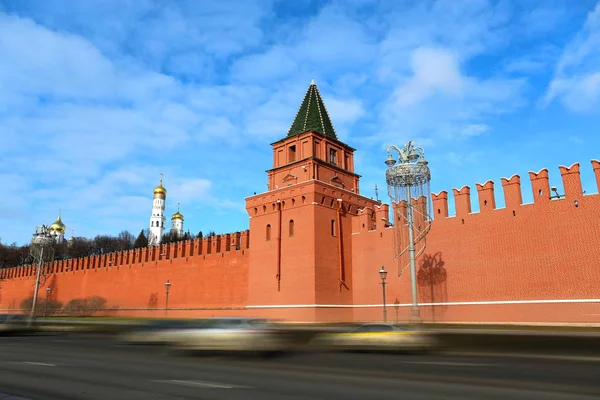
(190, 190)
(97, 98)
(434, 70)
(439, 101)
(475, 130)
(576, 81)
(50, 63)
(466, 28)
(267, 67)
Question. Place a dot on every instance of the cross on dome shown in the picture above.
(160, 189)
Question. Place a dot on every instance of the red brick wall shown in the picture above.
(545, 251)
(522, 263)
(209, 273)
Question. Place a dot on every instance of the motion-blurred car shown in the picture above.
(160, 331)
(377, 337)
(14, 323)
(252, 335)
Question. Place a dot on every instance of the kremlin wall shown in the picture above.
(315, 246)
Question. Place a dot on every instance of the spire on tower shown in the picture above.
(312, 115)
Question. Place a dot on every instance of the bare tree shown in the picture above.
(80, 247)
(126, 240)
(85, 307)
(45, 307)
(104, 244)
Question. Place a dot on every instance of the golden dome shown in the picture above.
(58, 226)
(177, 215)
(160, 189)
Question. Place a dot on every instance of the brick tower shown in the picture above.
(300, 229)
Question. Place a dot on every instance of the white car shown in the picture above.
(254, 335)
(160, 331)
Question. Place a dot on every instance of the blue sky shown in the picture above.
(98, 98)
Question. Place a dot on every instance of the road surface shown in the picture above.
(93, 367)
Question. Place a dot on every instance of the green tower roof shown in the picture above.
(312, 115)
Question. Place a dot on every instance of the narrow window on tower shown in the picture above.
(333, 227)
(292, 154)
(333, 156)
(291, 227)
(268, 233)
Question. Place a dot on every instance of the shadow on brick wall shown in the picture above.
(432, 277)
(153, 300)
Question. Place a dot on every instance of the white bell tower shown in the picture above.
(157, 219)
(177, 223)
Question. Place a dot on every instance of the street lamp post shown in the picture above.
(42, 247)
(408, 178)
(48, 290)
(167, 287)
(383, 275)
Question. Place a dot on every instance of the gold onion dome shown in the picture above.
(177, 215)
(58, 226)
(160, 189)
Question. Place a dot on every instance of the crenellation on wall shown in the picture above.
(462, 201)
(571, 181)
(226, 242)
(420, 212)
(485, 194)
(513, 197)
(205, 245)
(596, 168)
(220, 244)
(236, 241)
(382, 215)
(362, 220)
(440, 204)
(540, 185)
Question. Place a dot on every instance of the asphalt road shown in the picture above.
(93, 367)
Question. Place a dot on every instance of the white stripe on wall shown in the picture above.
(454, 303)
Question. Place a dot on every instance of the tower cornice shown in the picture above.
(307, 133)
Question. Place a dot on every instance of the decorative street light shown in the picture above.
(383, 275)
(167, 287)
(48, 290)
(409, 178)
(42, 250)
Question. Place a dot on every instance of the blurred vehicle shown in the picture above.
(377, 337)
(160, 331)
(14, 323)
(254, 335)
